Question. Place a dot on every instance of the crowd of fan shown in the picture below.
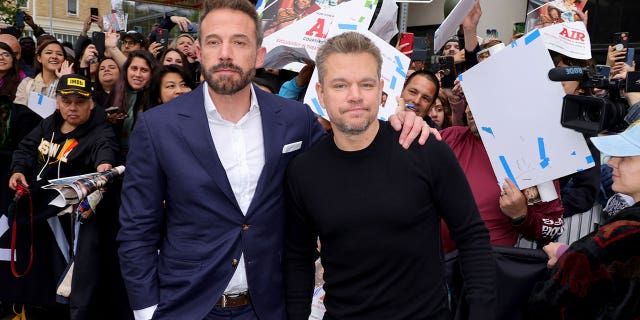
(136, 73)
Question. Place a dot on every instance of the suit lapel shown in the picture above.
(192, 120)
(273, 132)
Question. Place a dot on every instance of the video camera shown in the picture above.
(589, 114)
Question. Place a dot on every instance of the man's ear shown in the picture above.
(197, 50)
(320, 93)
(262, 53)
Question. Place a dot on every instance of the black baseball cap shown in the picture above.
(135, 35)
(73, 84)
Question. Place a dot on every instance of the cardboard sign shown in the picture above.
(517, 111)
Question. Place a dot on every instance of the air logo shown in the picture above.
(573, 35)
(317, 30)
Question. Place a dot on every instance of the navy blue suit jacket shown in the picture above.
(199, 232)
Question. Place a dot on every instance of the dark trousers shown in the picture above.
(238, 313)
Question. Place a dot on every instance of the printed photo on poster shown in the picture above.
(543, 13)
(285, 12)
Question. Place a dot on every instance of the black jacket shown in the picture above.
(46, 153)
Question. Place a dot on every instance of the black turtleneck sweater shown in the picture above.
(377, 214)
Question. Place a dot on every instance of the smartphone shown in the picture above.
(631, 52)
(603, 71)
(19, 19)
(449, 71)
(112, 110)
(97, 38)
(620, 41)
(162, 37)
(193, 28)
(406, 37)
(94, 12)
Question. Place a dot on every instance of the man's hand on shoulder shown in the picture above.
(411, 126)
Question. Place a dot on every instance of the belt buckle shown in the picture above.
(224, 301)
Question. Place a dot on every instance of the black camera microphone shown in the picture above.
(568, 74)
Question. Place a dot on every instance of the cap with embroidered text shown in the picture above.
(73, 84)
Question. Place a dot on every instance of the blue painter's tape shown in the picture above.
(345, 26)
(488, 130)
(589, 159)
(507, 170)
(40, 98)
(316, 104)
(392, 85)
(399, 68)
(544, 160)
(533, 36)
(460, 77)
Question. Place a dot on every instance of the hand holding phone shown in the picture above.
(20, 19)
(405, 44)
(448, 70)
(112, 110)
(162, 37)
(621, 41)
(97, 38)
(94, 12)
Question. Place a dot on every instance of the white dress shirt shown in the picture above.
(240, 147)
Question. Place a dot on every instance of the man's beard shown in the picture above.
(225, 84)
(352, 128)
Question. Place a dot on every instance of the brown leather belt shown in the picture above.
(234, 300)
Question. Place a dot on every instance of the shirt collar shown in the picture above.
(210, 107)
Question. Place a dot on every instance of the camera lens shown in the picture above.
(591, 114)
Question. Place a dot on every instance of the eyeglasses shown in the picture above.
(5, 55)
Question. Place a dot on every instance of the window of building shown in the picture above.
(72, 7)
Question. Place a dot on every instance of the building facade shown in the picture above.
(63, 18)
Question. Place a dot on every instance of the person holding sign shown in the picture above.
(503, 207)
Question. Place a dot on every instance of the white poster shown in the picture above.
(41, 104)
(568, 38)
(310, 32)
(517, 110)
(450, 24)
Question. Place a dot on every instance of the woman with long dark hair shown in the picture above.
(50, 64)
(130, 95)
(10, 75)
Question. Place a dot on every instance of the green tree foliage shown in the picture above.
(8, 11)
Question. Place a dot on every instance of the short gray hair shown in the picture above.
(348, 42)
